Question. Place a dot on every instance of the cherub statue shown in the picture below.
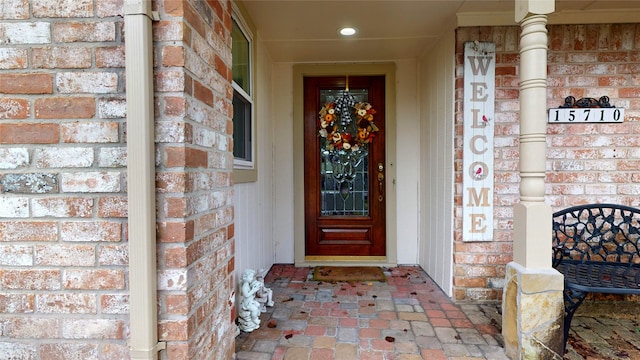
(264, 295)
(249, 313)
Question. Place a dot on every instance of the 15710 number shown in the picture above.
(582, 115)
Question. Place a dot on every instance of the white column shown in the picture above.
(532, 217)
(531, 283)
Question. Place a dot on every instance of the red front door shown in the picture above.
(344, 204)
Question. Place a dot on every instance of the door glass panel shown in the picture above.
(339, 195)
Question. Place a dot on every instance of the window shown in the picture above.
(243, 123)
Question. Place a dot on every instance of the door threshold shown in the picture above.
(345, 261)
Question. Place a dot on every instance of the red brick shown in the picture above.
(63, 351)
(173, 7)
(29, 279)
(174, 106)
(202, 93)
(222, 68)
(186, 157)
(31, 327)
(175, 257)
(65, 108)
(26, 83)
(173, 330)
(110, 57)
(14, 109)
(28, 231)
(176, 304)
(29, 133)
(172, 56)
(84, 32)
(112, 206)
(192, 18)
(176, 231)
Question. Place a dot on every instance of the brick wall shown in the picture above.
(585, 162)
(63, 209)
(193, 136)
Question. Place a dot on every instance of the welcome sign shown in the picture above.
(477, 174)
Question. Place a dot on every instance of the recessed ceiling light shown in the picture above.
(347, 31)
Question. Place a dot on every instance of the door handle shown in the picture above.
(380, 182)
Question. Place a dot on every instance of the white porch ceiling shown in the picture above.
(307, 30)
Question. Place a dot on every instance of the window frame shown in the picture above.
(246, 170)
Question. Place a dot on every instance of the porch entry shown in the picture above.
(344, 194)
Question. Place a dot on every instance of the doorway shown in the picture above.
(344, 169)
(300, 72)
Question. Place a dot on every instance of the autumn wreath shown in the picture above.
(339, 129)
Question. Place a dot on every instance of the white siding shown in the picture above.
(437, 81)
(253, 202)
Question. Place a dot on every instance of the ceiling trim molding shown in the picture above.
(507, 18)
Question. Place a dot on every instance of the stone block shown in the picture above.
(32, 183)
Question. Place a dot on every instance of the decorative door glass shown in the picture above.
(342, 195)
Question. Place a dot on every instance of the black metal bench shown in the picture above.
(597, 249)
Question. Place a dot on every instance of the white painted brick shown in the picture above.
(12, 58)
(14, 9)
(66, 303)
(12, 158)
(92, 329)
(65, 255)
(85, 82)
(62, 207)
(16, 255)
(16, 350)
(11, 108)
(90, 231)
(90, 182)
(63, 157)
(63, 8)
(90, 132)
(112, 108)
(14, 207)
(174, 279)
(204, 137)
(25, 33)
(169, 132)
(110, 255)
(114, 304)
(112, 157)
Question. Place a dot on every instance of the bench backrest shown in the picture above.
(597, 232)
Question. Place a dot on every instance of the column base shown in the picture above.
(532, 313)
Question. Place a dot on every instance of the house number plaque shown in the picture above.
(586, 110)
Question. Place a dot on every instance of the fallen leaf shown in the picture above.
(288, 336)
(272, 324)
(390, 339)
(287, 300)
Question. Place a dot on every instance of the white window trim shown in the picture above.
(242, 164)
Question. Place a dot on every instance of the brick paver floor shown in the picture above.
(407, 317)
